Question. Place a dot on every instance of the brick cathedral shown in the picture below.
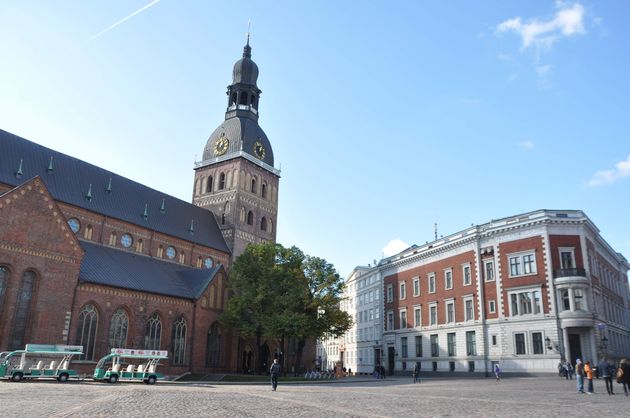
(89, 257)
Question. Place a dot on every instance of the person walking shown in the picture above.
(579, 375)
(416, 373)
(624, 365)
(606, 370)
(274, 370)
(588, 371)
(497, 372)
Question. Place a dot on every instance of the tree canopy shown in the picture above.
(278, 292)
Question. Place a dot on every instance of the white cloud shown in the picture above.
(541, 33)
(526, 145)
(543, 70)
(394, 247)
(621, 170)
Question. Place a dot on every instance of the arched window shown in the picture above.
(199, 262)
(213, 346)
(250, 218)
(160, 251)
(242, 215)
(86, 333)
(112, 239)
(179, 341)
(270, 226)
(263, 190)
(4, 278)
(223, 219)
(118, 327)
(233, 99)
(153, 333)
(182, 258)
(243, 99)
(87, 233)
(209, 185)
(22, 311)
(253, 185)
(263, 224)
(139, 246)
(253, 101)
(196, 189)
(221, 181)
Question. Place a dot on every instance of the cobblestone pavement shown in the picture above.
(532, 397)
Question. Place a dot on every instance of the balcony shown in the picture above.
(576, 272)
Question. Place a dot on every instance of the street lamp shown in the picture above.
(548, 342)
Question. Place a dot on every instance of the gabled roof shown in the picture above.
(69, 180)
(111, 267)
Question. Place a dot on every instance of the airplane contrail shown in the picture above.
(122, 20)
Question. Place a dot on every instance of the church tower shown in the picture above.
(236, 179)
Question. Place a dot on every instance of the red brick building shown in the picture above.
(524, 291)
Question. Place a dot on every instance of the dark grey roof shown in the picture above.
(242, 132)
(111, 267)
(245, 70)
(70, 179)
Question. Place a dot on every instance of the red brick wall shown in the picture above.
(557, 241)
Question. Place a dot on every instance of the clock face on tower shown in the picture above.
(259, 150)
(221, 146)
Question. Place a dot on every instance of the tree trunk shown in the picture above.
(300, 352)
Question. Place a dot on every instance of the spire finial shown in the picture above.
(247, 50)
(249, 32)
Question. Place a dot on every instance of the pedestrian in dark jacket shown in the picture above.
(605, 369)
(416, 373)
(274, 370)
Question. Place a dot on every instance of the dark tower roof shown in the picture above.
(245, 70)
(240, 135)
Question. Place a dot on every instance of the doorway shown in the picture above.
(391, 353)
(575, 348)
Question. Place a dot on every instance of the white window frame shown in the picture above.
(401, 313)
(520, 263)
(485, 270)
(472, 303)
(464, 267)
(431, 281)
(416, 286)
(517, 291)
(390, 321)
(447, 303)
(567, 250)
(448, 273)
(390, 293)
(492, 306)
(433, 308)
(525, 343)
(402, 290)
(418, 309)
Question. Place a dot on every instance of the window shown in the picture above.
(494, 340)
(403, 319)
(403, 291)
(451, 366)
(118, 327)
(263, 190)
(139, 246)
(221, 181)
(160, 252)
(213, 344)
(492, 306)
(525, 303)
(153, 333)
(22, 311)
(250, 218)
(390, 321)
(432, 283)
(417, 318)
(469, 312)
(433, 315)
(450, 312)
(466, 275)
(537, 343)
(87, 234)
(567, 258)
(450, 343)
(519, 340)
(471, 343)
(86, 333)
(435, 349)
(489, 270)
(4, 278)
(416, 286)
(418, 346)
(448, 279)
(179, 341)
(263, 224)
(403, 346)
(112, 239)
(390, 293)
(182, 258)
(209, 185)
(254, 189)
(578, 299)
(522, 264)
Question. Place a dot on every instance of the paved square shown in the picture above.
(444, 396)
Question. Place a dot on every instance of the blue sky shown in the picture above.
(384, 117)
